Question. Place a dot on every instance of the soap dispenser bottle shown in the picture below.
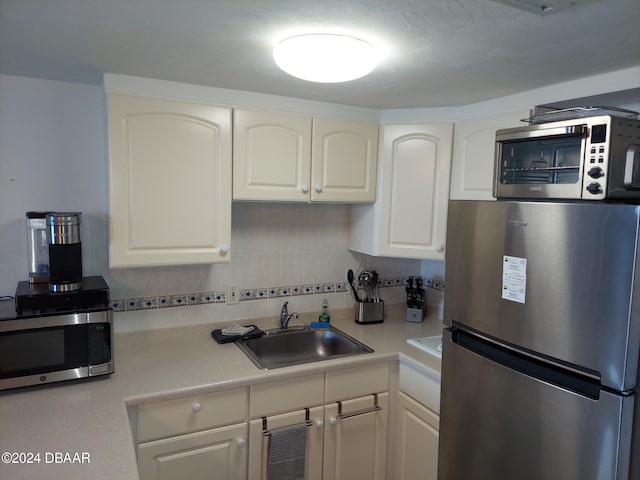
(324, 315)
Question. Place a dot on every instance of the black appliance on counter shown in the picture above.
(56, 336)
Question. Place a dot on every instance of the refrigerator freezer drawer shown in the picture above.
(499, 423)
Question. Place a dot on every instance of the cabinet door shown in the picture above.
(344, 161)
(259, 442)
(271, 156)
(409, 219)
(170, 182)
(219, 454)
(473, 155)
(355, 447)
(416, 441)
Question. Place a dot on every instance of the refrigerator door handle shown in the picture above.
(569, 378)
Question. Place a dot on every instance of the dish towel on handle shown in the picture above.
(286, 457)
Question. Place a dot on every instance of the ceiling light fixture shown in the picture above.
(325, 57)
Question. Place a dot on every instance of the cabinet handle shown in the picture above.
(305, 188)
(319, 424)
(241, 442)
(196, 407)
(439, 247)
(333, 421)
(318, 188)
(224, 249)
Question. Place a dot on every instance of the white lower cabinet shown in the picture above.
(347, 414)
(226, 435)
(417, 425)
(417, 441)
(216, 454)
(197, 437)
(260, 436)
(293, 401)
(355, 439)
(356, 423)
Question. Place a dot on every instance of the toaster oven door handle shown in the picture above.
(632, 168)
(569, 130)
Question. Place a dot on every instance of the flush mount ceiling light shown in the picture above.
(325, 57)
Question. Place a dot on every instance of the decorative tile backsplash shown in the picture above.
(185, 299)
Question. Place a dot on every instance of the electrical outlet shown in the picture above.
(233, 295)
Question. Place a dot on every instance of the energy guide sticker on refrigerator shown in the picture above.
(514, 278)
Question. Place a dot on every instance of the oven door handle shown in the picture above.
(568, 131)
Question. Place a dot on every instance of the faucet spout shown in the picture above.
(285, 316)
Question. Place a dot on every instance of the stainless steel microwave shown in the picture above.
(55, 347)
(595, 158)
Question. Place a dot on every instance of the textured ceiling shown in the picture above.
(438, 52)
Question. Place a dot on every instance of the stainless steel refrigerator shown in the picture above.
(541, 342)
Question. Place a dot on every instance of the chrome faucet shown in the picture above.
(285, 316)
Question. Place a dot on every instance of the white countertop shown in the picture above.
(91, 417)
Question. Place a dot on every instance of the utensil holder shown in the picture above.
(369, 312)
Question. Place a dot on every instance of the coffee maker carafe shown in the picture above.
(65, 251)
(38, 247)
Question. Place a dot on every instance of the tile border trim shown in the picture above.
(248, 294)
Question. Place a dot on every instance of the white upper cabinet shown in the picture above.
(286, 157)
(170, 182)
(344, 161)
(271, 153)
(473, 155)
(409, 218)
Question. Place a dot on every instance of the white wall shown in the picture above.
(52, 157)
(620, 88)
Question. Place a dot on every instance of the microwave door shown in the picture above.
(549, 166)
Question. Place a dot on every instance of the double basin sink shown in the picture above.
(298, 345)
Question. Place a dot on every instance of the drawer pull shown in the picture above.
(196, 407)
(364, 411)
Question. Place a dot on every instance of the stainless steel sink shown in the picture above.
(283, 348)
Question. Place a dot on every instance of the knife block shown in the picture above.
(369, 312)
(416, 315)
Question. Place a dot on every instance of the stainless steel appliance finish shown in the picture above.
(593, 158)
(65, 251)
(295, 346)
(541, 345)
(41, 349)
